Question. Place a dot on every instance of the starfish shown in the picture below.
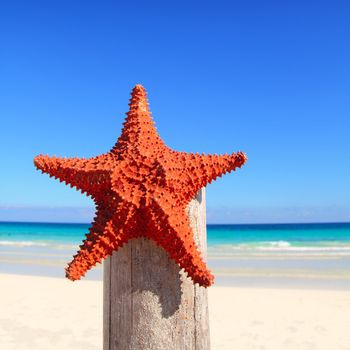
(141, 188)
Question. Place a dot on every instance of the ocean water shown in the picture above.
(328, 237)
(282, 254)
(221, 238)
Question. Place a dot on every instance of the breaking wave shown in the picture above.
(280, 246)
(54, 245)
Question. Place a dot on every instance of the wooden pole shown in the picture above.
(149, 303)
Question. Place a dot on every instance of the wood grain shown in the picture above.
(149, 303)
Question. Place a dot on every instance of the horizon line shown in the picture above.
(222, 224)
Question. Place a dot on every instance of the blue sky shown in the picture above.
(270, 78)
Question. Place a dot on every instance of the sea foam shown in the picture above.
(23, 244)
(53, 245)
(276, 247)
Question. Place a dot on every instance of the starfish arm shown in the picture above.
(87, 175)
(198, 170)
(104, 237)
(138, 125)
(171, 230)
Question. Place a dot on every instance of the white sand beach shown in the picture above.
(51, 313)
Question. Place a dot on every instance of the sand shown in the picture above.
(51, 313)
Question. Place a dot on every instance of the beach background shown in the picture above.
(278, 286)
(268, 78)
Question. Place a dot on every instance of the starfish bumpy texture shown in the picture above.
(141, 188)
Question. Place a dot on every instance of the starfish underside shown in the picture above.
(141, 188)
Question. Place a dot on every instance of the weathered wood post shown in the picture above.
(149, 304)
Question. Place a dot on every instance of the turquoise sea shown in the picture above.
(270, 254)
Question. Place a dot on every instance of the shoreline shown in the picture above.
(269, 270)
(230, 280)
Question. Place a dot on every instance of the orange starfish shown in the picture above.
(141, 188)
